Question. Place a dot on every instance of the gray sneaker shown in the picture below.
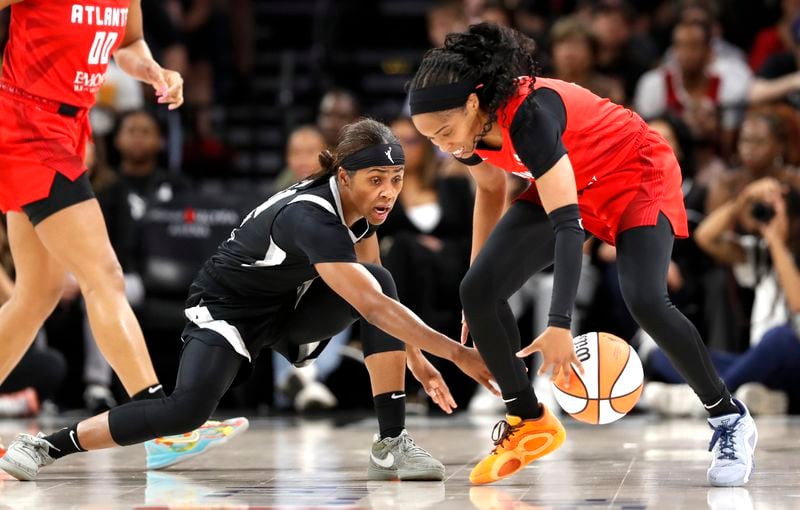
(26, 456)
(394, 458)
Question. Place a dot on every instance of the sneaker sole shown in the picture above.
(737, 483)
(12, 468)
(524, 458)
(210, 446)
(377, 474)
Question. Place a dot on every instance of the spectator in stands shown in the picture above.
(779, 78)
(621, 53)
(768, 374)
(302, 155)
(337, 108)
(706, 12)
(574, 50)
(443, 17)
(695, 86)
(767, 148)
(490, 11)
(775, 39)
(425, 243)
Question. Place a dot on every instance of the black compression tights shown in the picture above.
(207, 371)
(522, 244)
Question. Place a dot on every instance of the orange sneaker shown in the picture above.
(517, 443)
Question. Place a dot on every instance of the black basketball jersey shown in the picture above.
(267, 263)
(272, 253)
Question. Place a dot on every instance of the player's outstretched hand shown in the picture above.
(432, 381)
(167, 83)
(558, 352)
(471, 363)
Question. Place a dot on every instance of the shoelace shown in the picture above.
(725, 434)
(409, 446)
(34, 448)
(502, 430)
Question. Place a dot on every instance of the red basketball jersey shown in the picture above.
(60, 49)
(625, 173)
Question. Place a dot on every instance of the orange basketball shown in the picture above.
(610, 385)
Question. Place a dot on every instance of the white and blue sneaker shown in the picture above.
(733, 445)
(167, 451)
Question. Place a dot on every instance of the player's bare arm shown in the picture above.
(368, 252)
(134, 57)
(359, 288)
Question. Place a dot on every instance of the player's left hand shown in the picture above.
(558, 353)
(432, 381)
(168, 84)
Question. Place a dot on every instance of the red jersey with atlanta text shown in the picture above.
(625, 173)
(60, 49)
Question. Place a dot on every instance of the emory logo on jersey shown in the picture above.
(90, 82)
(99, 16)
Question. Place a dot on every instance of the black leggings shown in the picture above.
(522, 244)
(207, 371)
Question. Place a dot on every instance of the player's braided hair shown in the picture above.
(353, 138)
(488, 54)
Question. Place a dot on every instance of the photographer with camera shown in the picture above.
(758, 234)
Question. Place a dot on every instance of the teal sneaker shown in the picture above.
(167, 451)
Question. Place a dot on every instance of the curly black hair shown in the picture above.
(487, 54)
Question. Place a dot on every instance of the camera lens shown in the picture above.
(762, 212)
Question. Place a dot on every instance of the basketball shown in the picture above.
(610, 385)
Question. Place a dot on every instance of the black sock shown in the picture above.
(64, 441)
(523, 404)
(722, 406)
(391, 410)
(153, 392)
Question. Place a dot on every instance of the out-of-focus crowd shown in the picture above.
(719, 80)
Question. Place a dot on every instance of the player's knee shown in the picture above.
(645, 303)
(475, 291)
(186, 414)
(384, 278)
(106, 275)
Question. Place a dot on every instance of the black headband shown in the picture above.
(389, 154)
(441, 97)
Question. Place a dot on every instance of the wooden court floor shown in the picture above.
(641, 462)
